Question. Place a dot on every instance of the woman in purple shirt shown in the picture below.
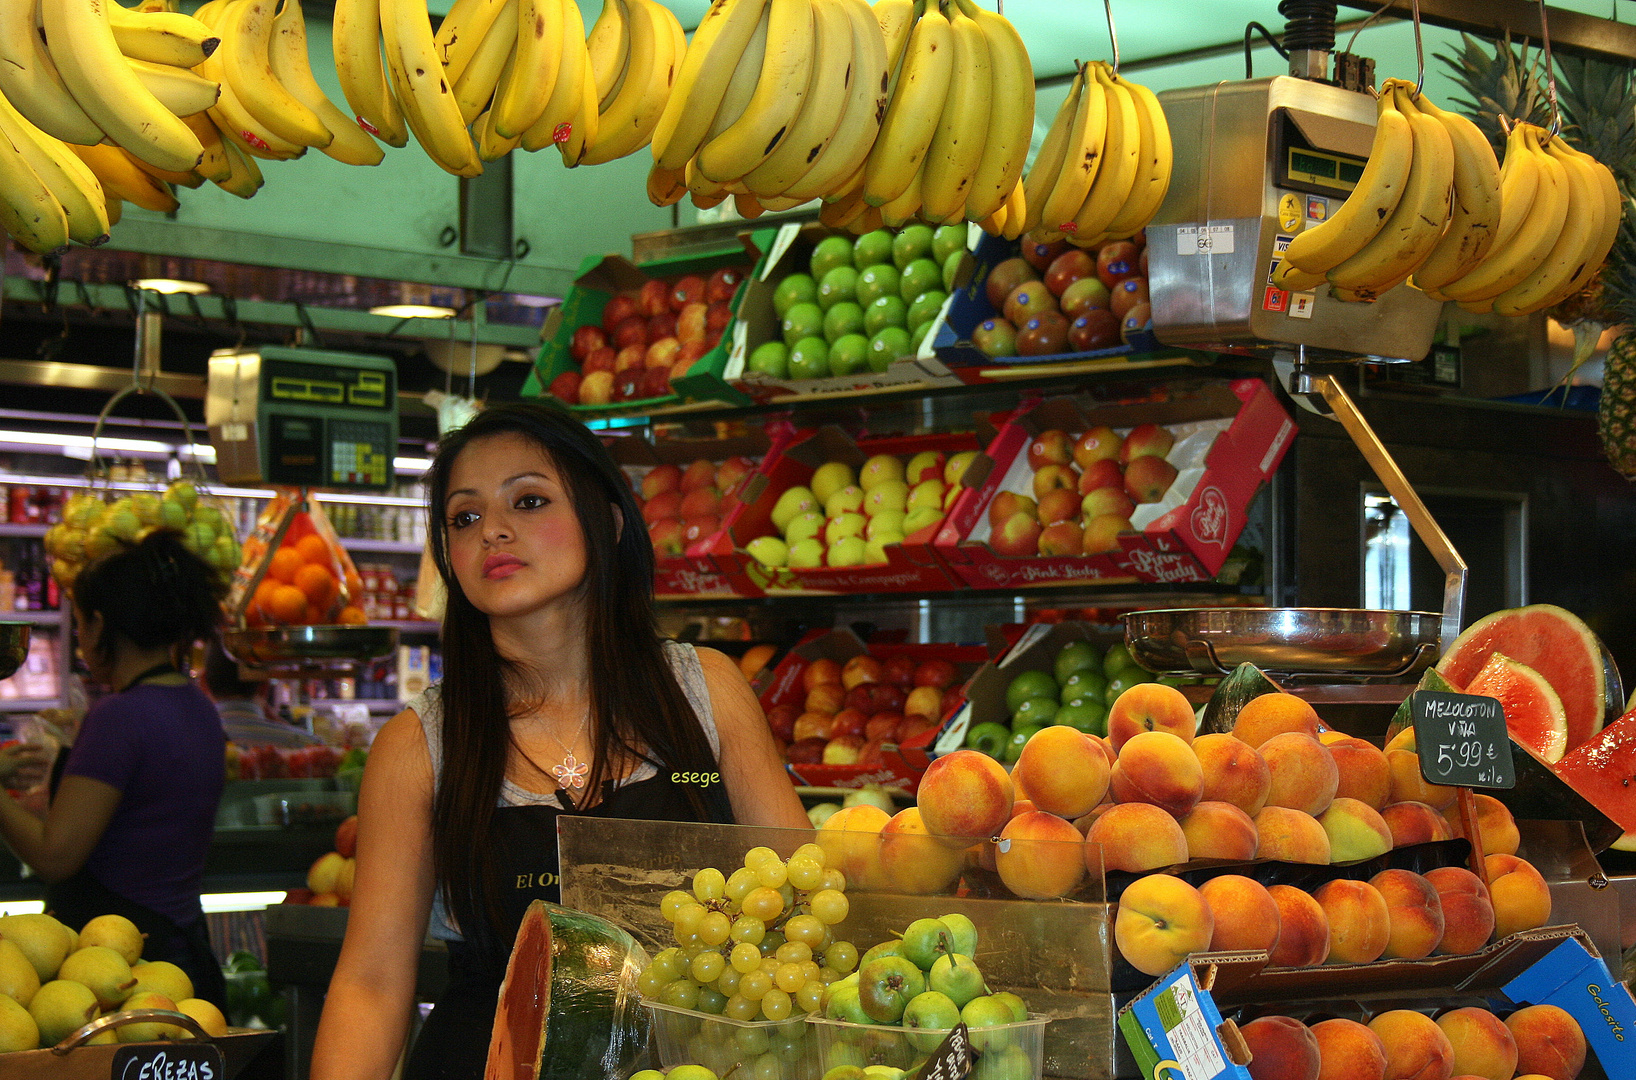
(131, 819)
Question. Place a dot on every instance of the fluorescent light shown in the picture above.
(171, 285)
(411, 464)
(22, 907)
(46, 438)
(413, 311)
(239, 901)
(209, 489)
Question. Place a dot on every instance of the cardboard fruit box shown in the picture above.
(600, 279)
(911, 566)
(900, 765)
(1230, 438)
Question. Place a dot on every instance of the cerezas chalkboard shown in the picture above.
(1462, 740)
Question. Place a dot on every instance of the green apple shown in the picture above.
(1035, 712)
(848, 500)
(768, 551)
(889, 947)
(838, 286)
(878, 281)
(928, 494)
(806, 524)
(887, 346)
(951, 269)
(794, 289)
(883, 522)
(1123, 680)
(804, 320)
(924, 940)
(830, 252)
(872, 248)
(962, 934)
(928, 1019)
(878, 470)
(1019, 1008)
(1019, 739)
(984, 1012)
(956, 468)
(795, 500)
(1084, 683)
(885, 311)
(771, 358)
(926, 465)
(1089, 715)
(829, 478)
(948, 240)
(848, 551)
(924, 308)
(1117, 656)
(874, 551)
(1077, 656)
(920, 519)
(912, 242)
(919, 278)
(1012, 1063)
(1026, 685)
(806, 555)
(849, 354)
(846, 317)
(888, 496)
(848, 524)
(809, 358)
(886, 985)
(956, 977)
(988, 737)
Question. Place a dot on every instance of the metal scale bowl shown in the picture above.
(1311, 642)
(13, 647)
(302, 650)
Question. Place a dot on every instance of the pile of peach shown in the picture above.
(683, 506)
(852, 711)
(1540, 1042)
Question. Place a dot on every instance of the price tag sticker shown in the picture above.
(1462, 740)
(952, 1058)
(1204, 240)
(168, 1061)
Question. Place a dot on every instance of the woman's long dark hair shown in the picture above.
(155, 592)
(638, 710)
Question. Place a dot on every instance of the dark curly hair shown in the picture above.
(155, 592)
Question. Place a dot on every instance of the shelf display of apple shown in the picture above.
(1082, 491)
(647, 338)
(1056, 298)
(851, 712)
(681, 506)
(1084, 685)
(844, 517)
(861, 303)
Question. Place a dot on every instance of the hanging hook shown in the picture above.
(1420, 52)
(1550, 73)
(1113, 35)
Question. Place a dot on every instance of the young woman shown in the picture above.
(557, 698)
(131, 818)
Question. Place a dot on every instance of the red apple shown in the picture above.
(1148, 478)
(632, 331)
(704, 500)
(627, 385)
(654, 299)
(1046, 334)
(1115, 262)
(717, 316)
(699, 527)
(1102, 532)
(1051, 447)
(600, 360)
(631, 358)
(1146, 440)
(952, 699)
(995, 337)
(843, 750)
(1028, 300)
(881, 726)
(872, 753)
(1019, 534)
(1007, 503)
(1059, 505)
(916, 725)
(1136, 320)
(849, 722)
(655, 382)
(1127, 294)
(690, 322)
(1062, 538)
(1092, 329)
(689, 354)
(565, 387)
(722, 284)
(701, 473)
(663, 505)
(617, 310)
(939, 673)
(806, 751)
(1005, 277)
(781, 719)
(667, 536)
(861, 669)
(731, 473)
(1100, 443)
(886, 696)
(1040, 256)
(1051, 476)
(1099, 473)
(660, 479)
(1107, 500)
(899, 670)
(687, 290)
(1083, 294)
(858, 698)
(586, 339)
(1067, 268)
(661, 326)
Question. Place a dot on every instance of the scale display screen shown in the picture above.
(1319, 168)
(327, 384)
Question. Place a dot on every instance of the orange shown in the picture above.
(288, 605)
(260, 602)
(314, 550)
(352, 616)
(286, 561)
(354, 584)
(318, 583)
(315, 616)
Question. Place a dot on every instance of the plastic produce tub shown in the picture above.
(765, 1049)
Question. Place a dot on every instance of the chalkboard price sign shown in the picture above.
(168, 1061)
(1462, 740)
(952, 1060)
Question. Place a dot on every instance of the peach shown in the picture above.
(1549, 1042)
(1415, 823)
(1495, 823)
(913, 862)
(1234, 771)
(1273, 714)
(851, 842)
(1064, 771)
(1348, 1050)
(1356, 831)
(1219, 830)
(1415, 1046)
(1521, 898)
(1282, 1048)
(1150, 707)
(1155, 767)
(1245, 914)
(1161, 920)
(1407, 783)
(1365, 775)
(1039, 856)
(1359, 922)
(1303, 928)
(983, 850)
(1301, 773)
(1291, 836)
(1136, 837)
(1416, 914)
(1468, 913)
(963, 795)
(1483, 1045)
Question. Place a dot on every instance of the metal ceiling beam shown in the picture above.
(1571, 31)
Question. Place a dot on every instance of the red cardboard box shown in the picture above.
(1188, 542)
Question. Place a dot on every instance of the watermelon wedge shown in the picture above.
(1533, 712)
(1604, 772)
(1550, 640)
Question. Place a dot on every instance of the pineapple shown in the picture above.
(1504, 87)
(1616, 415)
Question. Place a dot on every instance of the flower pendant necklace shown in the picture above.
(570, 773)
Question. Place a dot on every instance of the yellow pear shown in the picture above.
(117, 933)
(18, 979)
(43, 940)
(61, 1008)
(18, 1031)
(162, 977)
(150, 1032)
(208, 1016)
(103, 970)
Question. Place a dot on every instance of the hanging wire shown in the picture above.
(1420, 52)
(1353, 40)
(1550, 73)
(1249, 37)
(1113, 35)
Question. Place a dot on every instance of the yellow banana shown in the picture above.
(177, 88)
(994, 224)
(1581, 231)
(747, 207)
(722, 37)
(1011, 115)
(582, 125)
(1082, 155)
(351, 144)
(356, 40)
(29, 79)
(520, 100)
(1042, 177)
(957, 144)
(609, 45)
(896, 213)
(1294, 279)
(827, 97)
(1417, 222)
(229, 113)
(1320, 248)
(839, 161)
(491, 146)
(1152, 183)
(1016, 211)
(424, 95)
(912, 116)
(1520, 177)
(214, 165)
(190, 179)
(118, 174)
(28, 210)
(780, 90)
(1121, 154)
(462, 31)
(246, 63)
(842, 211)
(870, 220)
(569, 88)
(474, 89)
(666, 186)
(1612, 215)
(116, 208)
(1510, 263)
(73, 185)
(243, 177)
(896, 19)
(161, 37)
(627, 124)
(1475, 215)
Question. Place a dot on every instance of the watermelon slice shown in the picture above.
(1550, 640)
(1604, 772)
(1533, 712)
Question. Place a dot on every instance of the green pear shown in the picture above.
(207, 1015)
(150, 1032)
(18, 1031)
(795, 500)
(117, 933)
(103, 970)
(44, 941)
(18, 979)
(162, 977)
(831, 477)
(61, 1008)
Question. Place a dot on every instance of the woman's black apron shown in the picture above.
(453, 1043)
